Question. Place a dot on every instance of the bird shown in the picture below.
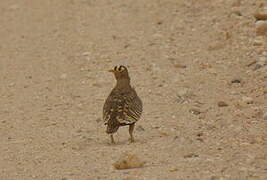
(123, 107)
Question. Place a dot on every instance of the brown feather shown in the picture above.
(123, 106)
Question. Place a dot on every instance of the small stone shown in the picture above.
(163, 134)
(236, 81)
(159, 22)
(205, 66)
(265, 116)
(228, 35)
(261, 15)
(222, 104)
(11, 84)
(236, 11)
(86, 54)
(97, 85)
(179, 66)
(191, 155)
(128, 161)
(247, 100)
(259, 41)
(259, 64)
(261, 28)
(173, 169)
(195, 111)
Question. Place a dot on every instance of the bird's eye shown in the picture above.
(121, 68)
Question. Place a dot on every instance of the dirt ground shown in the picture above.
(195, 65)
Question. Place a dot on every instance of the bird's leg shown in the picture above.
(112, 139)
(131, 128)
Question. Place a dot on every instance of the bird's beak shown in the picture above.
(111, 70)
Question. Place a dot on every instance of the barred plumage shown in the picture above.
(123, 106)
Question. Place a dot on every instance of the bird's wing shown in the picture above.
(125, 107)
(132, 109)
(107, 108)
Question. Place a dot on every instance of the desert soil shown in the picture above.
(197, 65)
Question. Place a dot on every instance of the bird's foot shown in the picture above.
(131, 140)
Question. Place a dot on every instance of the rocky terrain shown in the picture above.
(199, 67)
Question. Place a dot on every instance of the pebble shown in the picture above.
(181, 66)
(11, 84)
(261, 28)
(260, 63)
(128, 161)
(97, 85)
(163, 134)
(265, 116)
(259, 41)
(191, 155)
(257, 66)
(173, 169)
(261, 15)
(222, 104)
(247, 100)
(195, 111)
(236, 11)
(236, 81)
(86, 54)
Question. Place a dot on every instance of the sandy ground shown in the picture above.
(184, 57)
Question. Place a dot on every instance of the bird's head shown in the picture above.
(120, 72)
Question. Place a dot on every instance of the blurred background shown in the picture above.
(199, 67)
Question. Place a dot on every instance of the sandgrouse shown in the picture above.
(122, 107)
